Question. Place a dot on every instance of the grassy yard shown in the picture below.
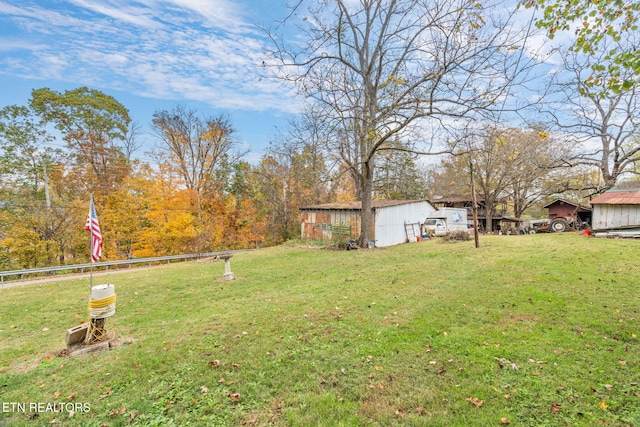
(535, 330)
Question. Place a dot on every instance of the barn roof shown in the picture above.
(357, 205)
(625, 193)
(583, 207)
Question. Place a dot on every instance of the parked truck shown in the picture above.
(445, 220)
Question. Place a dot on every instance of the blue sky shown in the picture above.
(150, 55)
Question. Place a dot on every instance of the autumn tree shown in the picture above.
(303, 146)
(379, 69)
(197, 144)
(537, 159)
(94, 126)
(273, 179)
(36, 222)
(507, 163)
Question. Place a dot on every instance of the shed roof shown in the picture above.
(357, 205)
(583, 207)
(625, 193)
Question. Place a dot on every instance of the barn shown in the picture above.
(617, 208)
(563, 208)
(393, 220)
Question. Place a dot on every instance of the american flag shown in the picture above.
(96, 237)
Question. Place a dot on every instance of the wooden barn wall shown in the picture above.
(561, 210)
(316, 225)
(615, 216)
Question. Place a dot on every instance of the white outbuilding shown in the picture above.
(617, 208)
(394, 221)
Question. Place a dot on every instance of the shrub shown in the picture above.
(456, 235)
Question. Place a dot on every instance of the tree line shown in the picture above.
(386, 83)
(197, 194)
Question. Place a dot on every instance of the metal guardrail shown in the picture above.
(82, 267)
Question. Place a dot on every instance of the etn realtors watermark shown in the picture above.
(43, 407)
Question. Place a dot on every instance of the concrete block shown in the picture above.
(76, 334)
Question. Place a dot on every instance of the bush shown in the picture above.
(457, 235)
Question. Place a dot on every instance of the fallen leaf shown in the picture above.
(477, 402)
(56, 394)
(608, 386)
(214, 363)
(235, 365)
(131, 417)
(555, 408)
(106, 393)
(203, 389)
(71, 396)
(622, 362)
(504, 420)
(603, 405)
(234, 396)
(420, 410)
(221, 380)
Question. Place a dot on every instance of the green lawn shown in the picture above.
(535, 330)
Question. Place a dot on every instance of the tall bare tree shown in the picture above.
(380, 69)
(198, 145)
(606, 124)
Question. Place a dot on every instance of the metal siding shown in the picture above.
(387, 226)
(615, 216)
(389, 221)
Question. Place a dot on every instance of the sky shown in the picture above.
(153, 55)
(150, 55)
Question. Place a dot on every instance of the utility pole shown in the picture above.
(475, 206)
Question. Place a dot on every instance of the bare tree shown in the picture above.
(380, 69)
(197, 144)
(508, 163)
(130, 141)
(605, 124)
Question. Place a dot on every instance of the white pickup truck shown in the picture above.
(435, 227)
(445, 220)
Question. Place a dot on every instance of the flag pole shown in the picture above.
(90, 246)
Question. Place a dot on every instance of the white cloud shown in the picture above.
(121, 11)
(200, 50)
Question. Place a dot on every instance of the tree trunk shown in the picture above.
(366, 192)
